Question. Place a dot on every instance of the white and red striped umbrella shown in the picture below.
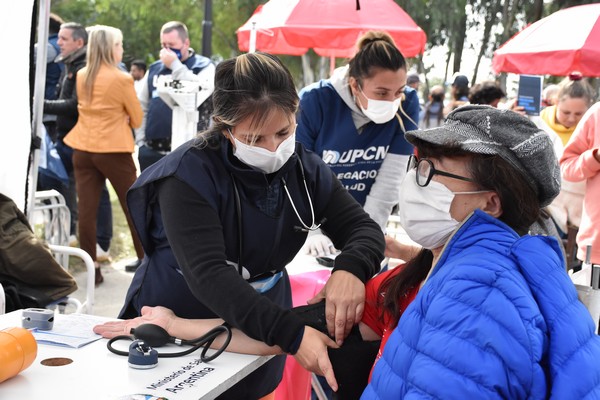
(565, 41)
(330, 27)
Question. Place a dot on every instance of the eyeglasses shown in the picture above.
(426, 171)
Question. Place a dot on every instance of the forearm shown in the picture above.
(402, 251)
(578, 167)
(182, 73)
(61, 107)
(189, 329)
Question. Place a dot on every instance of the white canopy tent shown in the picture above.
(16, 109)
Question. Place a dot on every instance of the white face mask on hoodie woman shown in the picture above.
(263, 159)
(379, 111)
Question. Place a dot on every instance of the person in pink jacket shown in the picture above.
(581, 162)
(102, 139)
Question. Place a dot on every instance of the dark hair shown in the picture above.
(182, 30)
(54, 23)
(437, 97)
(394, 288)
(140, 64)
(460, 91)
(251, 85)
(485, 93)
(77, 31)
(375, 50)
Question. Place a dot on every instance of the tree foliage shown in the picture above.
(446, 23)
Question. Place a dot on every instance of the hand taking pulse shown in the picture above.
(344, 296)
(312, 355)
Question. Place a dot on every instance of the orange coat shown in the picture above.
(104, 124)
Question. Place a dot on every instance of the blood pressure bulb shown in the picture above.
(18, 350)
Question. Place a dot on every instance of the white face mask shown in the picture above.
(380, 111)
(263, 159)
(425, 211)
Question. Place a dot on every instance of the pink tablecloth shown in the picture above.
(295, 384)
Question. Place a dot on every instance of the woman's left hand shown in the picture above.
(344, 296)
(312, 355)
(160, 316)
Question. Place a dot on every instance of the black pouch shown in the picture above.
(352, 362)
(20, 297)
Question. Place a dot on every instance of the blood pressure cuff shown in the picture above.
(352, 362)
(313, 315)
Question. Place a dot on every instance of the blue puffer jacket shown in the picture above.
(497, 319)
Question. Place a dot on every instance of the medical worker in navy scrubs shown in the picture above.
(355, 121)
(221, 216)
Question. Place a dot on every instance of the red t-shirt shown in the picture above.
(372, 315)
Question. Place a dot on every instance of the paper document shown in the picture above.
(70, 330)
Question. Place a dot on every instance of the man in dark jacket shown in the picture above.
(72, 40)
(179, 61)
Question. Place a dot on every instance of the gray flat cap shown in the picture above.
(487, 130)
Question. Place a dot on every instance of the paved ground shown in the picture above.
(109, 296)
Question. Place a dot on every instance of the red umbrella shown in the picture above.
(565, 41)
(331, 27)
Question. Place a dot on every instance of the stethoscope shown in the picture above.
(304, 226)
(142, 354)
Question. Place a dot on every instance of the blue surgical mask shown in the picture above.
(176, 51)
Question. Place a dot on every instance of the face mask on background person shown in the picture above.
(425, 211)
(379, 111)
(176, 51)
(263, 159)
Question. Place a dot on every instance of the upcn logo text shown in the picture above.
(352, 156)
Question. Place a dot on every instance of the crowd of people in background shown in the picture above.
(320, 170)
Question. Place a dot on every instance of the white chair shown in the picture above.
(56, 218)
(87, 306)
(51, 207)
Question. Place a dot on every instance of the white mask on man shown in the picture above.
(380, 111)
(263, 159)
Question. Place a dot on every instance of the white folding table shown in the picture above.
(95, 373)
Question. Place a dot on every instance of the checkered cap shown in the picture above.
(488, 130)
